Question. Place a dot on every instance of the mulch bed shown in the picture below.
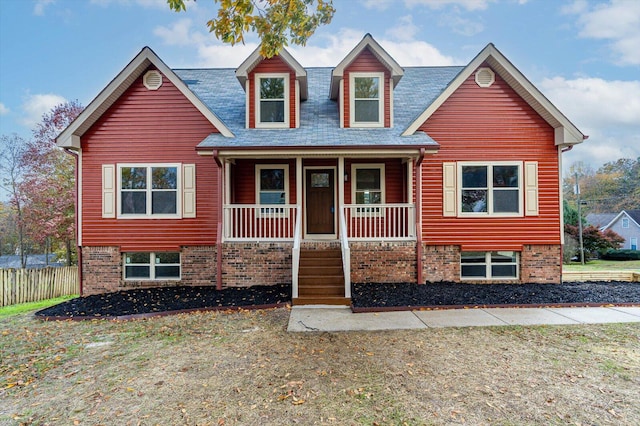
(370, 296)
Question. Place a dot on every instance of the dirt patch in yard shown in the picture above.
(243, 368)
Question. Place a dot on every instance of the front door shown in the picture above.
(320, 208)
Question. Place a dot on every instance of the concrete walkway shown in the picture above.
(331, 318)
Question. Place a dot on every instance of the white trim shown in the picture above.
(364, 152)
(285, 167)
(565, 132)
(615, 219)
(333, 236)
(367, 41)
(247, 104)
(152, 75)
(352, 99)
(490, 188)
(152, 264)
(488, 264)
(379, 166)
(287, 107)
(561, 196)
(70, 137)
(390, 104)
(149, 191)
(297, 104)
(341, 103)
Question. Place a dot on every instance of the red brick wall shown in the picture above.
(102, 270)
(440, 263)
(383, 262)
(248, 264)
(541, 264)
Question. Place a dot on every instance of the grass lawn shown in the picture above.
(243, 368)
(604, 265)
(32, 306)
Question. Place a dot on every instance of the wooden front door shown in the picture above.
(320, 208)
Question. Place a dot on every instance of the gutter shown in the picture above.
(219, 228)
(419, 215)
(77, 218)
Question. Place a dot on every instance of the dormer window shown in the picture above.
(367, 99)
(272, 100)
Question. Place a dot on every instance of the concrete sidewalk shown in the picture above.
(331, 318)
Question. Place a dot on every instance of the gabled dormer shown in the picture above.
(363, 84)
(274, 88)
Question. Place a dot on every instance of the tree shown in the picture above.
(12, 149)
(595, 240)
(277, 22)
(49, 181)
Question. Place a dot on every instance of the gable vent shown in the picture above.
(485, 77)
(152, 80)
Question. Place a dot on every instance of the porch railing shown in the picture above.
(380, 221)
(346, 256)
(264, 222)
(295, 254)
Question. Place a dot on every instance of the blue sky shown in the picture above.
(583, 55)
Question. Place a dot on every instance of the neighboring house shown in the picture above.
(319, 177)
(626, 224)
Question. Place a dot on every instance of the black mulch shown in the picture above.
(372, 296)
(167, 299)
(451, 294)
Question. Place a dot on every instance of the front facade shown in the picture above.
(626, 224)
(320, 177)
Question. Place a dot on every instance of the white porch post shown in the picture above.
(226, 221)
(412, 219)
(340, 179)
(299, 178)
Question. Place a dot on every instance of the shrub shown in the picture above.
(621, 255)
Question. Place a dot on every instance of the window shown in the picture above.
(272, 100)
(367, 100)
(489, 265)
(152, 266)
(272, 184)
(490, 189)
(625, 222)
(149, 190)
(634, 244)
(367, 184)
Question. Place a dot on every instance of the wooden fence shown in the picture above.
(33, 285)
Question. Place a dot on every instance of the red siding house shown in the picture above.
(319, 177)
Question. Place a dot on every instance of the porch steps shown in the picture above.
(321, 278)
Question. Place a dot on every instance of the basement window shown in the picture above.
(492, 265)
(151, 266)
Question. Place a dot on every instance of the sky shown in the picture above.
(583, 55)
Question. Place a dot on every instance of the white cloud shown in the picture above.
(439, 4)
(37, 105)
(617, 21)
(180, 33)
(405, 29)
(39, 7)
(460, 25)
(3, 109)
(607, 111)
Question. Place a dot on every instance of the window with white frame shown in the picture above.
(367, 99)
(490, 189)
(272, 100)
(625, 222)
(367, 185)
(272, 184)
(149, 190)
(489, 265)
(151, 266)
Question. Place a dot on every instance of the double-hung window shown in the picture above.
(625, 222)
(491, 189)
(152, 266)
(367, 99)
(367, 185)
(489, 265)
(272, 186)
(149, 190)
(272, 100)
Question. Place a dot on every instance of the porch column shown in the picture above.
(412, 218)
(340, 179)
(299, 178)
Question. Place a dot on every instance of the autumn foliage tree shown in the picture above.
(48, 184)
(595, 240)
(276, 22)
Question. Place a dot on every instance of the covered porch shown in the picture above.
(316, 206)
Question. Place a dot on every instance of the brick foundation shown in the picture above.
(102, 270)
(440, 263)
(541, 264)
(247, 264)
(383, 262)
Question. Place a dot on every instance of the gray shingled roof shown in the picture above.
(319, 127)
(600, 219)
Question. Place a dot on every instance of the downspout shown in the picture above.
(220, 214)
(77, 218)
(419, 215)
